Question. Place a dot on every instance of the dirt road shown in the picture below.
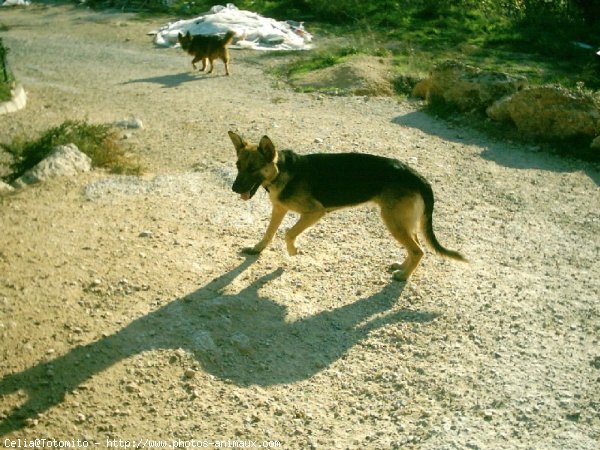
(128, 314)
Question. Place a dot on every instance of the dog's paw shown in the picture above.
(293, 251)
(250, 251)
(395, 267)
(400, 275)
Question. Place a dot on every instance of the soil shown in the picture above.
(128, 315)
(357, 75)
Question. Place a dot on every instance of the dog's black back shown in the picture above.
(345, 179)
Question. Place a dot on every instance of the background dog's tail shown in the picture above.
(228, 38)
(427, 225)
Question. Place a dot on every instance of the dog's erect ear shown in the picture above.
(238, 142)
(267, 149)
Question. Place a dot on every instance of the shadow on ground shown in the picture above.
(244, 338)
(497, 152)
(172, 80)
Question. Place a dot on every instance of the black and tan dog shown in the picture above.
(204, 47)
(315, 184)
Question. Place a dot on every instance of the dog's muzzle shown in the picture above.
(246, 186)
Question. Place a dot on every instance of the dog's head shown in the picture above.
(184, 40)
(256, 165)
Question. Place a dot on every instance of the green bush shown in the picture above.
(99, 142)
(6, 77)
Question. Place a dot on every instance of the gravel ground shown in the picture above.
(128, 315)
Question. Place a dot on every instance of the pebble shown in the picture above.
(132, 387)
(132, 122)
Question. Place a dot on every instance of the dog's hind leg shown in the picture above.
(225, 59)
(277, 216)
(306, 220)
(402, 219)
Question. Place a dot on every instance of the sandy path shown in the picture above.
(126, 311)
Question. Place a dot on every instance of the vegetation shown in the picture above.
(548, 41)
(536, 38)
(99, 142)
(6, 77)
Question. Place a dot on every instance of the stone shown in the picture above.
(4, 187)
(63, 160)
(467, 87)
(549, 112)
(241, 342)
(18, 100)
(421, 89)
(131, 123)
(204, 342)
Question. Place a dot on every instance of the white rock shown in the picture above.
(133, 122)
(18, 101)
(4, 187)
(63, 160)
(204, 341)
(241, 342)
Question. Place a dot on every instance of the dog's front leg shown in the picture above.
(306, 220)
(277, 216)
(195, 60)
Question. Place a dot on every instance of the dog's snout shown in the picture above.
(237, 185)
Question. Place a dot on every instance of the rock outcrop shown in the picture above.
(466, 87)
(549, 112)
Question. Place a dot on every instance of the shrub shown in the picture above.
(99, 142)
(6, 78)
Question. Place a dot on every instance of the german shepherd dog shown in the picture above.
(203, 48)
(315, 184)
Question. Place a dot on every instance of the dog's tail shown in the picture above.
(427, 225)
(228, 38)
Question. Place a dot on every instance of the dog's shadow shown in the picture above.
(241, 337)
(174, 80)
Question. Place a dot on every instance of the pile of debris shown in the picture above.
(252, 30)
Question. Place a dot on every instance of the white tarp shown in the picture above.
(252, 30)
(16, 3)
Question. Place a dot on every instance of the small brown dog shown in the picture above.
(204, 47)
